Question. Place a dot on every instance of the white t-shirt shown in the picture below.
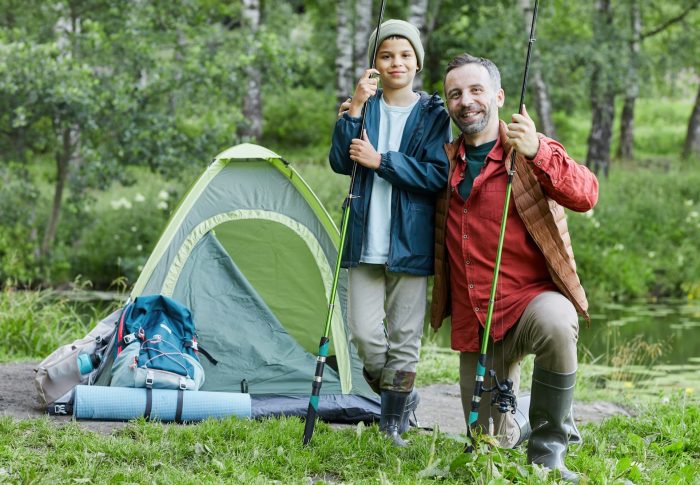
(375, 247)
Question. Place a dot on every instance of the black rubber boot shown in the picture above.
(550, 408)
(411, 405)
(393, 406)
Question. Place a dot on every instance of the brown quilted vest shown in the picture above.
(544, 219)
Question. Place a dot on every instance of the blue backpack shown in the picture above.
(156, 346)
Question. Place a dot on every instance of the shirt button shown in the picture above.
(476, 309)
(461, 174)
(466, 210)
(538, 162)
(467, 262)
(453, 189)
(471, 285)
(465, 236)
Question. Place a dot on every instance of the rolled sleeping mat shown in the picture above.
(124, 403)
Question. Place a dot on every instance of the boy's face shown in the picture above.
(396, 62)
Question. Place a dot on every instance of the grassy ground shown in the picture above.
(659, 446)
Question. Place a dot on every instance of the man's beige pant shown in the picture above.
(385, 314)
(547, 328)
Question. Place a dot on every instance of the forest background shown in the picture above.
(109, 110)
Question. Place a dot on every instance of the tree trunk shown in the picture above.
(692, 139)
(343, 58)
(626, 148)
(542, 103)
(252, 102)
(602, 92)
(418, 12)
(63, 158)
(364, 25)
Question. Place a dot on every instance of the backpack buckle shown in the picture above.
(129, 338)
(183, 384)
(149, 379)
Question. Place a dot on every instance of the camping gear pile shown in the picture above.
(249, 256)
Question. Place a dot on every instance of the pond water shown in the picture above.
(645, 347)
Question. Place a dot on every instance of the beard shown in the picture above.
(477, 125)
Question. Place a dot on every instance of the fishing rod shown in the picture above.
(503, 396)
(324, 345)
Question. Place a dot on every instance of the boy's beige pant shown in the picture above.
(547, 328)
(376, 296)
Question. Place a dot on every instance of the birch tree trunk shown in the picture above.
(343, 59)
(542, 103)
(418, 12)
(364, 25)
(692, 139)
(252, 102)
(602, 92)
(626, 148)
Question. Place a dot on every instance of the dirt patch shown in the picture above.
(440, 404)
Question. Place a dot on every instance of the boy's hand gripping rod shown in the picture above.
(325, 340)
(481, 365)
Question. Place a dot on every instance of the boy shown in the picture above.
(401, 164)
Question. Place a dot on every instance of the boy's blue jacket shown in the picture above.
(416, 172)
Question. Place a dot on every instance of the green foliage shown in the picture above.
(299, 117)
(18, 199)
(118, 235)
(638, 241)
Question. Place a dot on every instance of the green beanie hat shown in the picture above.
(400, 28)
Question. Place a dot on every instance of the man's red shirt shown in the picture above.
(473, 228)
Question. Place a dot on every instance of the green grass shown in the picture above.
(34, 324)
(659, 446)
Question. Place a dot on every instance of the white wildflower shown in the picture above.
(588, 214)
(163, 195)
(122, 203)
(693, 214)
(134, 228)
(162, 205)
(619, 247)
(139, 197)
(651, 254)
(596, 224)
(689, 202)
(139, 247)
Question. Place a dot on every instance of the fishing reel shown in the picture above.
(502, 395)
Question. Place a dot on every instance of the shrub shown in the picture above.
(121, 233)
(299, 117)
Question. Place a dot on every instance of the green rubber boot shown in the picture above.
(550, 409)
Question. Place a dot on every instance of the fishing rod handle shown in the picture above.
(312, 411)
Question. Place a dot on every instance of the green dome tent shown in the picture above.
(250, 251)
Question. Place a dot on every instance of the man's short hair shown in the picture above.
(464, 59)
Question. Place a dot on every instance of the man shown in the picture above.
(539, 293)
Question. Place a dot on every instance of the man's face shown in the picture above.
(472, 100)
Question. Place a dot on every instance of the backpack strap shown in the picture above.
(149, 404)
(178, 410)
(120, 329)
